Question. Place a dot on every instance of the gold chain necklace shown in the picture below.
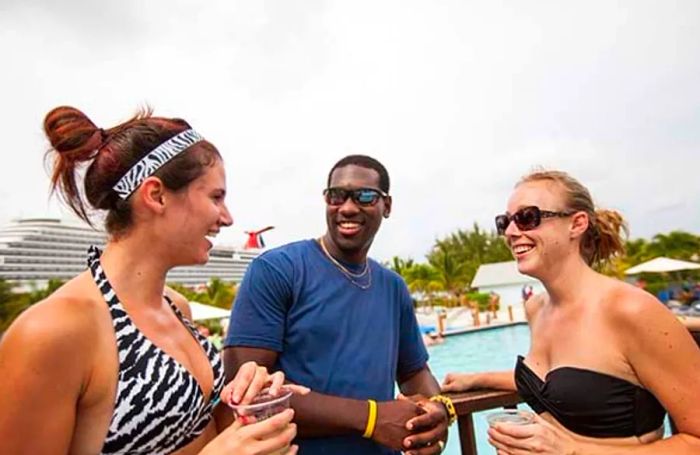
(348, 274)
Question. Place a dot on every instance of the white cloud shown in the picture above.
(458, 99)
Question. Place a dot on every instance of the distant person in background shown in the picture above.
(203, 330)
(641, 284)
(431, 339)
(111, 362)
(606, 358)
(526, 292)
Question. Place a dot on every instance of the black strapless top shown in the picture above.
(590, 403)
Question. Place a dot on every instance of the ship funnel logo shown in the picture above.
(255, 239)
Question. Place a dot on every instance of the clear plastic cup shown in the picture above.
(263, 406)
(511, 417)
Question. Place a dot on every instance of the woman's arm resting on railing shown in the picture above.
(462, 382)
(691, 323)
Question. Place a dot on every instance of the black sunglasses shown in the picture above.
(365, 197)
(527, 218)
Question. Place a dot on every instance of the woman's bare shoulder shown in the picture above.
(54, 344)
(635, 313)
(629, 302)
(67, 318)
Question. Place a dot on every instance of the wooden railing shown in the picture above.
(467, 403)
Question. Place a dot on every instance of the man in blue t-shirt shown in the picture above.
(340, 323)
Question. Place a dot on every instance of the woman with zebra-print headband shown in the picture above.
(110, 363)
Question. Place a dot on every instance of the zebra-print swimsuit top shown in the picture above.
(159, 406)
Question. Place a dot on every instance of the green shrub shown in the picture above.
(482, 300)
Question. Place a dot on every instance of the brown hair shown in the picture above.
(76, 140)
(604, 237)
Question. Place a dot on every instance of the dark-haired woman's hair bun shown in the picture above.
(71, 132)
(74, 138)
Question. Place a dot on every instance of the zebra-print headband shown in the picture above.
(153, 161)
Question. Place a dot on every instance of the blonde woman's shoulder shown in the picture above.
(628, 304)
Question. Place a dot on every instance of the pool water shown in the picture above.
(487, 350)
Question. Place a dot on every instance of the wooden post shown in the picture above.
(467, 437)
(510, 313)
(441, 323)
(493, 303)
(463, 301)
(467, 403)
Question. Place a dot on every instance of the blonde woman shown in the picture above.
(606, 360)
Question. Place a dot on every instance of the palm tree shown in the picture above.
(468, 249)
(400, 266)
(219, 293)
(675, 244)
(37, 295)
(11, 304)
(451, 273)
(5, 299)
(423, 279)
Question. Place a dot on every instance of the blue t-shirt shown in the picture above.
(331, 335)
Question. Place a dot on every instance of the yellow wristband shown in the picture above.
(449, 406)
(371, 419)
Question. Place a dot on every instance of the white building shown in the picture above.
(504, 279)
(35, 250)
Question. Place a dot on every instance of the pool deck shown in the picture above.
(493, 325)
(460, 321)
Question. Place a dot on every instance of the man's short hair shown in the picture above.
(367, 162)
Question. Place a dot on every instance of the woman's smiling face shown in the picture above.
(540, 249)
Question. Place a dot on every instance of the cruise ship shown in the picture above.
(35, 250)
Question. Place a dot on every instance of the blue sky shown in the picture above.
(457, 98)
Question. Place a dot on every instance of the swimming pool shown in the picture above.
(486, 350)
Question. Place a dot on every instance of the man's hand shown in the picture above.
(428, 430)
(392, 416)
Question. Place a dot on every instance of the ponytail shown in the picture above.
(604, 238)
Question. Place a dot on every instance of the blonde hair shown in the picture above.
(604, 238)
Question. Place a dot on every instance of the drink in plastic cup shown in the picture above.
(263, 406)
(510, 417)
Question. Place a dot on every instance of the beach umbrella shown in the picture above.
(201, 312)
(662, 264)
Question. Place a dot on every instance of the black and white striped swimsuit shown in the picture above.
(159, 407)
